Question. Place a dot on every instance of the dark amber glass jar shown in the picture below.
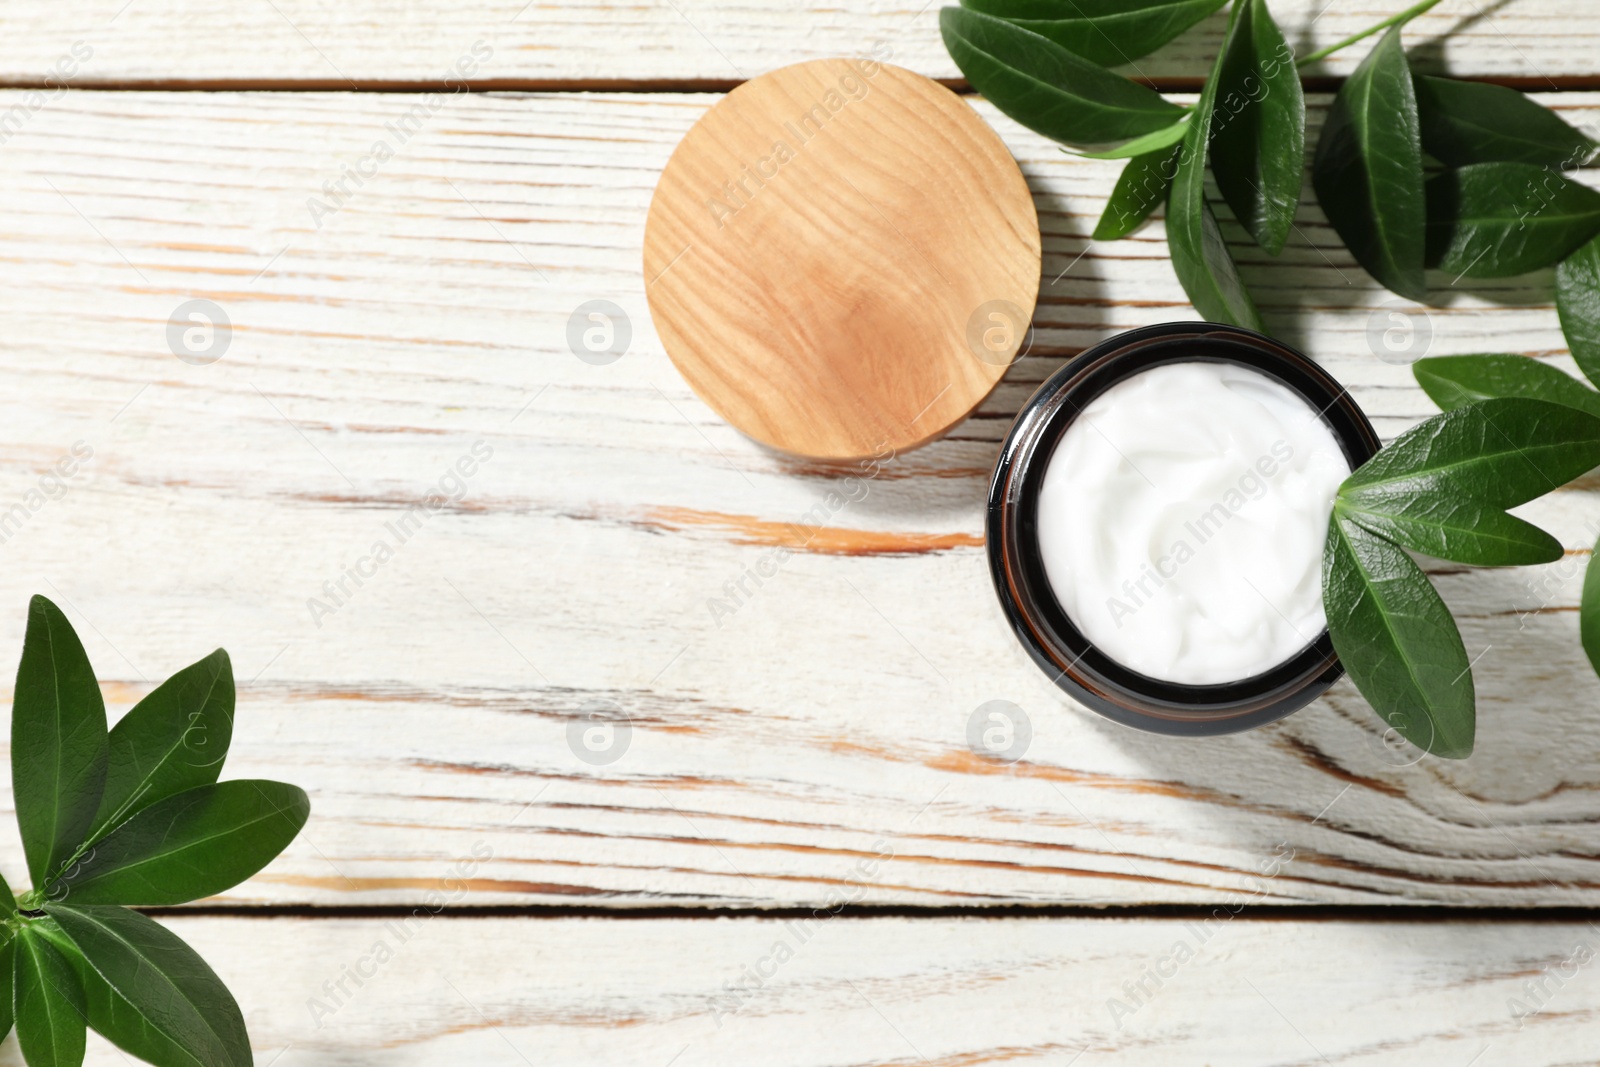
(1043, 626)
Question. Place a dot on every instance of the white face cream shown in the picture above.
(1182, 519)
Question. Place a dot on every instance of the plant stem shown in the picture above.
(1405, 16)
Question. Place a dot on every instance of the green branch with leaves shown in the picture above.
(1414, 172)
(134, 815)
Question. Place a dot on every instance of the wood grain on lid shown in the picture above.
(842, 259)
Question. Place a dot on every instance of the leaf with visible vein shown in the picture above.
(1504, 452)
(174, 739)
(1497, 220)
(51, 1013)
(1200, 255)
(1474, 122)
(1397, 640)
(58, 741)
(114, 1019)
(161, 979)
(1258, 142)
(193, 844)
(1456, 381)
(1442, 488)
(1462, 531)
(1147, 144)
(1368, 170)
(1578, 301)
(1142, 186)
(1047, 88)
(109, 1015)
(1111, 32)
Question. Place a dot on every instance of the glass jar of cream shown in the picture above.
(1156, 524)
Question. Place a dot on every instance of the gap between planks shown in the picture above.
(354, 86)
(1366, 913)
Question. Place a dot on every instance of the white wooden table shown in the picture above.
(1297, 895)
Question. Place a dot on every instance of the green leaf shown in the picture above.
(1368, 170)
(1143, 185)
(109, 1015)
(1442, 487)
(1473, 122)
(1148, 143)
(190, 845)
(162, 981)
(8, 901)
(1495, 220)
(1462, 531)
(8, 969)
(1589, 611)
(50, 930)
(1102, 31)
(58, 741)
(1397, 639)
(1504, 451)
(174, 739)
(120, 1023)
(1200, 255)
(1578, 301)
(1201, 259)
(1456, 381)
(1258, 127)
(1047, 88)
(51, 1011)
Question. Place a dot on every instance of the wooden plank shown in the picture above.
(782, 735)
(512, 43)
(946, 992)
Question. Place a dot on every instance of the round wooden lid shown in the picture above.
(842, 258)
